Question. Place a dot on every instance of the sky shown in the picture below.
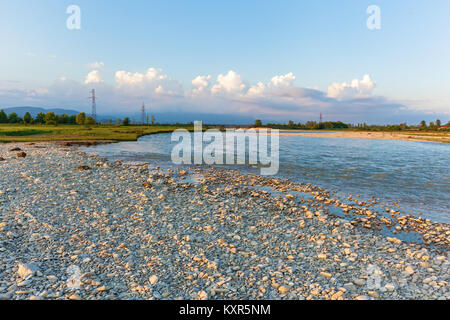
(273, 60)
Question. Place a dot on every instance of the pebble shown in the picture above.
(390, 287)
(208, 238)
(153, 280)
(359, 282)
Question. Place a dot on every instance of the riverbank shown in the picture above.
(79, 133)
(204, 234)
(443, 137)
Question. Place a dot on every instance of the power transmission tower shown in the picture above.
(143, 113)
(94, 105)
(321, 118)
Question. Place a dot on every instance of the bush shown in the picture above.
(89, 121)
(81, 118)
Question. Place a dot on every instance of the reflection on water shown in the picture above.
(414, 174)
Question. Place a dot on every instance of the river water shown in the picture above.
(416, 175)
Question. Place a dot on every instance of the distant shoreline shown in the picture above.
(404, 136)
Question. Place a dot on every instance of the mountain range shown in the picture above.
(168, 117)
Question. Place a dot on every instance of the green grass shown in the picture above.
(33, 133)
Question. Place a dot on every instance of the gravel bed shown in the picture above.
(74, 226)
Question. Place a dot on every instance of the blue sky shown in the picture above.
(318, 42)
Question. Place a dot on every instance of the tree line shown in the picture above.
(49, 118)
(309, 125)
(313, 125)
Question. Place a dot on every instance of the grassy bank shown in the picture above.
(33, 133)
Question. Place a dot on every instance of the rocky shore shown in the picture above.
(74, 226)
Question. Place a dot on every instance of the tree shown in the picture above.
(126, 121)
(291, 124)
(119, 122)
(50, 118)
(258, 123)
(13, 118)
(423, 124)
(73, 119)
(40, 118)
(438, 123)
(89, 121)
(81, 118)
(310, 124)
(64, 118)
(27, 118)
(152, 119)
(3, 117)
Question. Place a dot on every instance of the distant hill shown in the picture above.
(167, 117)
(35, 110)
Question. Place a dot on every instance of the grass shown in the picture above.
(34, 133)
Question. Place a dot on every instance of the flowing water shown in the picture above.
(416, 175)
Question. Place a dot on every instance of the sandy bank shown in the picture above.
(407, 136)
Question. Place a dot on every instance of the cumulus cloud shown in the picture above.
(275, 84)
(257, 90)
(93, 77)
(230, 83)
(124, 78)
(282, 81)
(153, 80)
(96, 65)
(356, 89)
(276, 100)
(200, 84)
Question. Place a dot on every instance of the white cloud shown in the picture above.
(282, 81)
(153, 75)
(276, 100)
(200, 84)
(124, 78)
(154, 80)
(229, 83)
(275, 84)
(93, 77)
(201, 81)
(257, 90)
(357, 89)
(96, 65)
